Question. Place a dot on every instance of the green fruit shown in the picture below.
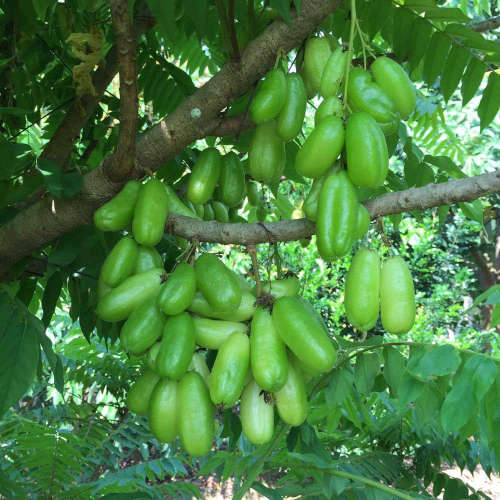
(177, 346)
(267, 352)
(209, 213)
(291, 117)
(176, 206)
(195, 422)
(220, 211)
(147, 258)
(162, 414)
(337, 216)
(362, 283)
(253, 193)
(200, 210)
(397, 296)
(152, 354)
(140, 393)
(178, 291)
(363, 94)
(117, 213)
(135, 290)
(232, 180)
(367, 156)
(229, 370)
(266, 154)
(269, 98)
(316, 56)
(217, 284)
(212, 333)
(362, 223)
(281, 288)
(204, 177)
(150, 215)
(120, 262)
(306, 371)
(331, 106)
(291, 399)
(310, 206)
(199, 365)
(142, 328)
(396, 82)
(102, 288)
(321, 148)
(333, 74)
(304, 333)
(257, 416)
(244, 312)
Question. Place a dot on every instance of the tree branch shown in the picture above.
(488, 24)
(123, 160)
(432, 195)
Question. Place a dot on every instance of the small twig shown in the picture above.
(488, 24)
(252, 251)
(277, 260)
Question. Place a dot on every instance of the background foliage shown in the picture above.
(392, 414)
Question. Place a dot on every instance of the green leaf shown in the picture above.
(53, 359)
(495, 316)
(436, 362)
(26, 290)
(181, 78)
(365, 370)
(459, 405)
(472, 79)
(284, 206)
(283, 8)
(446, 164)
(490, 296)
(480, 372)
(409, 389)
(339, 387)
(19, 350)
(60, 184)
(421, 33)
(50, 296)
(490, 102)
(164, 13)
(394, 365)
(445, 14)
(15, 158)
(402, 24)
(473, 210)
(380, 12)
(453, 70)
(474, 40)
(435, 57)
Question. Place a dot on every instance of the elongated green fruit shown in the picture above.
(150, 215)
(162, 413)
(281, 288)
(220, 211)
(142, 328)
(140, 393)
(204, 177)
(266, 155)
(257, 416)
(232, 180)
(117, 213)
(306, 371)
(217, 284)
(291, 117)
(209, 213)
(212, 333)
(178, 291)
(321, 148)
(152, 354)
(269, 98)
(291, 399)
(333, 74)
(362, 287)
(316, 55)
(397, 296)
(363, 222)
(268, 357)
(177, 346)
(396, 82)
(244, 311)
(102, 288)
(337, 216)
(195, 422)
(135, 290)
(331, 106)
(176, 206)
(253, 193)
(230, 370)
(310, 206)
(147, 258)
(199, 365)
(367, 156)
(304, 333)
(120, 262)
(363, 94)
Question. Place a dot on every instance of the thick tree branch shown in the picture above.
(488, 24)
(432, 195)
(123, 160)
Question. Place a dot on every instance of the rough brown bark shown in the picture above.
(488, 24)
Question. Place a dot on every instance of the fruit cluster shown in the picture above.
(262, 356)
